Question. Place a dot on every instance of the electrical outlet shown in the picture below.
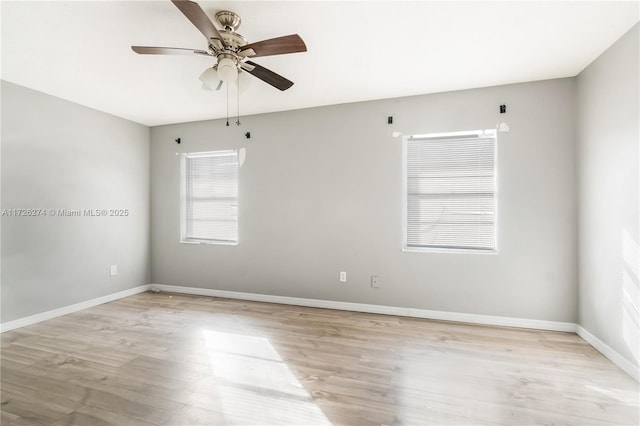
(114, 270)
(375, 281)
(343, 277)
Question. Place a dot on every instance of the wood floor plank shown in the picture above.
(50, 384)
(34, 406)
(20, 421)
(170, 359)
(195, 416)
(25, 355)
(7, 418)
(92, 416)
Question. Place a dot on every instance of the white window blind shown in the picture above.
(450, 196)
(210, 197)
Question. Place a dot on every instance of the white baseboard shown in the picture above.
(33, 319)
(609, 352)
(376, 309)
(598, 344)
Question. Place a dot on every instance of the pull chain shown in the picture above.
(227, 104)
(238, 87)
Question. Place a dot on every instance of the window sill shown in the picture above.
(447, 251)
(210, 243)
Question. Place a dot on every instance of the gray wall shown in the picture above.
(609, 189)
(60, 155)
(321, 192)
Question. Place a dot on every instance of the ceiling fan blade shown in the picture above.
(199, 18)
(152, 50)
(275, 46)
(268, 76)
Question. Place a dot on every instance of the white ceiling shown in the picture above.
(357, 50)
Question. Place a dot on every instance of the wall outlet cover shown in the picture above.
(375, 281)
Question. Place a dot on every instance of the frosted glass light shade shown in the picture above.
(227, 70)
(209, 79)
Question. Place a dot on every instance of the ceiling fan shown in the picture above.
(230, 49)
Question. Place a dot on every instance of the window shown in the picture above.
(450, 191)
(210, 197)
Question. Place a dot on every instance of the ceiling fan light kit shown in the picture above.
(230, 49)
(227, 68)
(209, 78)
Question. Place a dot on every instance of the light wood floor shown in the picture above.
(161, 359)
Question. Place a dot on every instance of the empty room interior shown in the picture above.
(320, 213)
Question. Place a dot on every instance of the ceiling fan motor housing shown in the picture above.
(233, 41)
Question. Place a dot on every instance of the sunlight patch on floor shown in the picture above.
(623, 397)
(254, 384)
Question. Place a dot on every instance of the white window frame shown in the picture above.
(185, 189)
(491, 133)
